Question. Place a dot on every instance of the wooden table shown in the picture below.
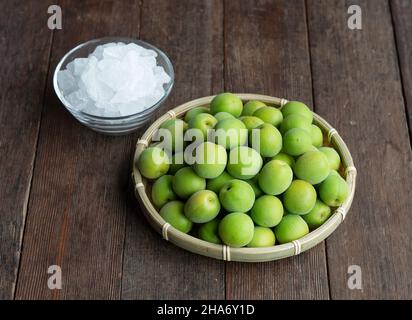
(65, 195)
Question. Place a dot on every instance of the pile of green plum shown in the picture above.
(238, 192)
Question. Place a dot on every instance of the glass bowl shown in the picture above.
(113, 125)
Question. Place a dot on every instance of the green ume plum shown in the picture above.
(230, 133)
(194, 112)
(186, 182)
(227, 102)
(289, 160)
(162, 191)
(210, 160)
(244, 162)
(316, 136)
(295, 121)
(275, 177)
(203, 122)
(267, 211)
(292, 227)
(223, 115)
(269, 115)
(251, 122)
(333, 157)
(266, 139)
(262, 237)
(210, 231)
(318, 215)
(237, 196)
(300, 197)
(312, 166)
(153, 163)
(173, 213)
(297, 141)
(251, 106)
(202, 206)
(333, 190)
(217, 183)
(236, 229)
(296, 107)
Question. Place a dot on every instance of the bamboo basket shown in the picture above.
(223, 252)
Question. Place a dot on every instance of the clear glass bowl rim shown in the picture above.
(103, 41)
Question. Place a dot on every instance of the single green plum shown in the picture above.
(266, 139)
(172, 212)
(203, 122)
(210, 160)
(318, 215)
(217, 183)
(269, 115)
(295, 121)
(153, 163)
(194, 112)
(210, 231)
(227, 102)
(333, 157)
(262, 237)
(237, 195)
(202, 206)
(244, 162)
(162, 191)
(293, 107)
(186, 182)
(251, 122)
(300, 197)
(292, 227)
(230, 133)
(316, 136)
(312, 166)
(333, 190)
(267, 211)
(290, 161)
(275, 177)
(251, 106)
(236, 229)
(297, 141)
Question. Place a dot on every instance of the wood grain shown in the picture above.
(78, 204)
(402, 20)
(25, 43)
(190, 32)
(267, 52)
(357, 88)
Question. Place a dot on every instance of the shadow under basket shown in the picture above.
(142, 191)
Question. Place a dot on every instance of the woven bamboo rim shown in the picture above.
(224, 252)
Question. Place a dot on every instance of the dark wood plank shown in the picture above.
(267, 52)
(358, 89)
(190, 32)
(78, 205)
(402, 17)
(25, 43)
